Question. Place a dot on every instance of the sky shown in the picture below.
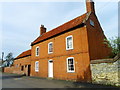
(20, 21)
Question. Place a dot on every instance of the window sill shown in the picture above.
(36, 71)
(70, 71)
(69, 49)
(50, 52)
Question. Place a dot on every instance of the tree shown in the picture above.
(9, 59)
(114, 44)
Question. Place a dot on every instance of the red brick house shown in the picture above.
(65, 52)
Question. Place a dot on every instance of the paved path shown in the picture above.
(17, 81)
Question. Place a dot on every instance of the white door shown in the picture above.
(50, 68)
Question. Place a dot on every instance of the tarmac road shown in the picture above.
(19, 81)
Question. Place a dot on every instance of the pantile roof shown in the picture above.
(66, 26)
(24, 54)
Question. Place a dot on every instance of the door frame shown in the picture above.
(48, 68)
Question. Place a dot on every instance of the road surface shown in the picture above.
(19, 81)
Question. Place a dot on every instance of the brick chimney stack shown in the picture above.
(42, 30)
(90, 6)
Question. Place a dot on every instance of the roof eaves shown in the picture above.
(56, 34)
(82, 22)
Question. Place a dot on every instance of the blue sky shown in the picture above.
(20, 21)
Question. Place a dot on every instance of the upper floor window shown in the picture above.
(69, 42)
(37, 51)
(36, 66)
(70, 64)
(91, 23)
(50, 47)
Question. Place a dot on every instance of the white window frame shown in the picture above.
(37, 69)
(66, 42)
(73, 64)
(49, 47)
(92, 22)
(36, 51)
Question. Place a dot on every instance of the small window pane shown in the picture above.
(72, 69)
(91, 23)
(71, 61)
(72, 66)
(68, 61)
(69, 68)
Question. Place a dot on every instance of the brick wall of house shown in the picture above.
(59, 44)
(82, 72)
(60, 54)
(97, 48)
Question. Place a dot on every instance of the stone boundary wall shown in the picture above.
(106, 71)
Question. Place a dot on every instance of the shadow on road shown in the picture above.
(90, 85)
(12, 76)
(39, 82)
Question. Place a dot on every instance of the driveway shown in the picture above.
(20, 81)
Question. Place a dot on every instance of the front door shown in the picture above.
(50, 68)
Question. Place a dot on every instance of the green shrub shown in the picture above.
(113, 43)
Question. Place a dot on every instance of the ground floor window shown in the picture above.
(70, 64)
(36, 66)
